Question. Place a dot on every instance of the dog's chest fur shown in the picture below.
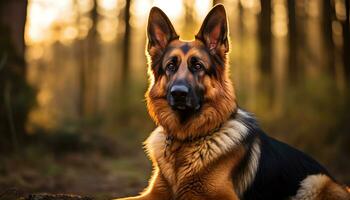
(202, 167)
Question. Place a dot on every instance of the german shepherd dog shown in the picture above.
(205, 146)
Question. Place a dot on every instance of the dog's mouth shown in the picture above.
(181, 107)
(185, 111)
(185, 105)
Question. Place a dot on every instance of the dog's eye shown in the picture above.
(197, 66)
(171, 67)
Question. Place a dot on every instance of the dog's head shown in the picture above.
(190, 92)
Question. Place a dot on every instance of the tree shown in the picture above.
(91, 70)
(346, 39)
(265, 37)
(327, 17)
(88, 52)
(16, 96)
(125, 65)
(126, 44)
(292, 39)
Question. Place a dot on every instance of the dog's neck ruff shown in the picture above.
(222, 139)
(200, 153)
(171, 138)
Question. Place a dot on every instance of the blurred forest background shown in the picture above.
(73, 77)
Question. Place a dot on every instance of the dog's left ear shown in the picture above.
(214, 30)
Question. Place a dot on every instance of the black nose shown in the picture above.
(179, 92)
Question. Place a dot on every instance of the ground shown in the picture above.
(94, 172)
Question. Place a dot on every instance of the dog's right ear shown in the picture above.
(160, 31)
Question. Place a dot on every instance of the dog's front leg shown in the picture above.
(157, 190)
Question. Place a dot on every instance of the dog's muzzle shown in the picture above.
(182, 97)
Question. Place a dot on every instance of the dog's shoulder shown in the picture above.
(281, 168)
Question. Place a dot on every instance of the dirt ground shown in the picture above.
(86, 173)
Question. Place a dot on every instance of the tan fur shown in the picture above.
(321, 187)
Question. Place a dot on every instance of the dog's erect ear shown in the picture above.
(160, 31)
(214, 30)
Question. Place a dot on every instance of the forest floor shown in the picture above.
(70, 168)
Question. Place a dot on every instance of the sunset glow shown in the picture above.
(44, 16)
(66, 20)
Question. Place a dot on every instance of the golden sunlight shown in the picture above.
(43, 15)
(251, 5)
(66, 20)
(107, 24)
(173, 8)
(279, 18)
(108, 4)
(203, 7)
(139, 12)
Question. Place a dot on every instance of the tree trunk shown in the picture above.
(13, 18)
(292, 40)
(125, 67)
(126, 45)
(265, 37)
(327, 16)
(16, 96)
(346, 40)
(80, 52)
(91, 72)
